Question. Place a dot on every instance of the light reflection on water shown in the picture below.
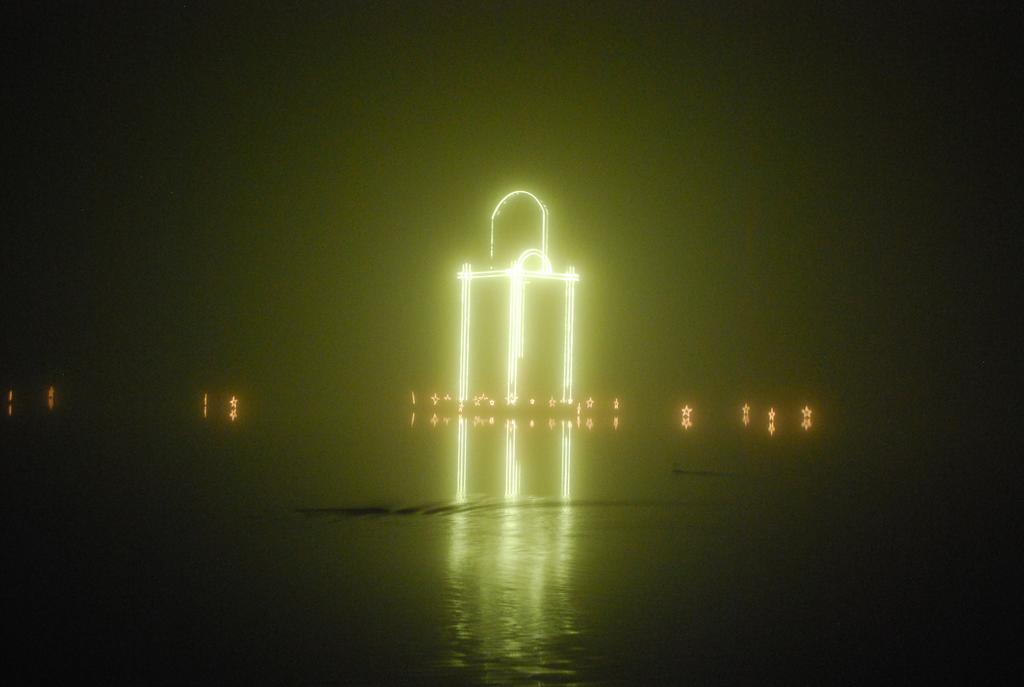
(509, 576)
(513, 479)
(509, 593)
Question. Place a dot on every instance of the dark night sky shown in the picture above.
(800, 204)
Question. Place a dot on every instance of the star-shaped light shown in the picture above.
(435, 398)
(551, 402)
(590, 402)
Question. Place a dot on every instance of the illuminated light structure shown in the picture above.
(205, 398)
(771, 421)
(533, 264)
(233, 403)
(746, 414)
(51, 394)
(10, 402)
(806, 422)
(687, 421)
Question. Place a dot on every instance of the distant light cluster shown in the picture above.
(476, 421)
(50, 395)
(483, 400)
(231, 407)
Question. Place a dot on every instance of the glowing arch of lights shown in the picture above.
(518, 275)
(543, 220)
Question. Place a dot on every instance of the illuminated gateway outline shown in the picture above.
(518, 275)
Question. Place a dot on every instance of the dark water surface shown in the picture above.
(204, 557)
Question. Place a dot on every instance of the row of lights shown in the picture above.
(232, 407)
(478, 421)
(51, 400)
(687, 417)
(485, 401)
